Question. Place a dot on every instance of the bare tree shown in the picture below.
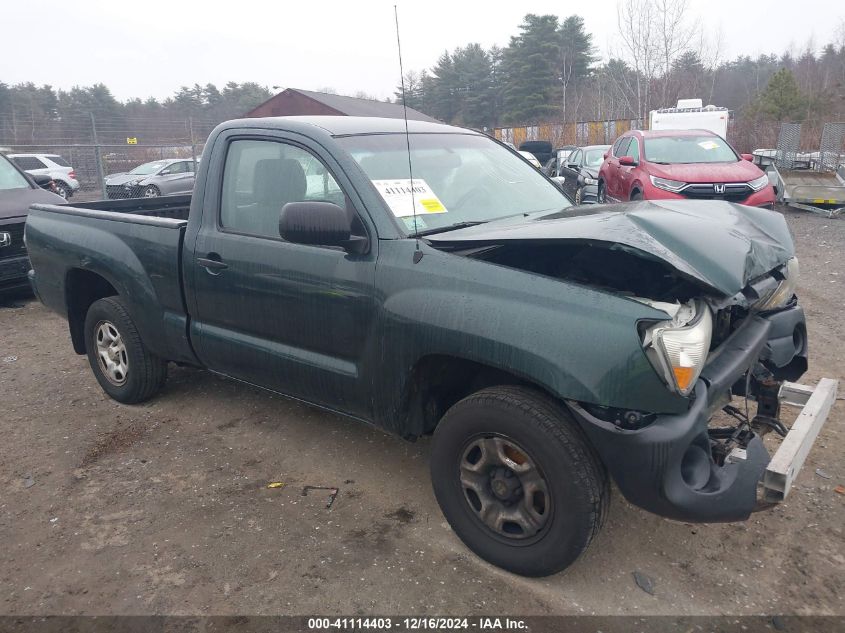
(640, 47)
(673, 37)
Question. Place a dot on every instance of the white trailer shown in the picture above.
(689, 114)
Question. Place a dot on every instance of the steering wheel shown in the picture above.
(482, 192)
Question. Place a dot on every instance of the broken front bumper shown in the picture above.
(668, 467)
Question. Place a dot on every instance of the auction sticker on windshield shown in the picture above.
(405, 201)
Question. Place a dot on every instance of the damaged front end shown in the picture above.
(725, 277)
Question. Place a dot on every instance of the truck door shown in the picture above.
(294, 318)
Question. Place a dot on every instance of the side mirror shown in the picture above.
(572, 165)
(607, 153)
(748, 157)
(315, 223)
(164, 172)
(628, 161)
(42, 180)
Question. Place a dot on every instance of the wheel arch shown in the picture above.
(82, 288)
(438, 381)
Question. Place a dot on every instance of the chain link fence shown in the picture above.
(91, 159)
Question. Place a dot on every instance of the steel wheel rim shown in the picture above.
(111, 353)
(504, 488)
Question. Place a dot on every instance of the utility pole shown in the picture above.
(193, 142)
(98, 158)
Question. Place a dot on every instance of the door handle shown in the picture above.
(211, 263)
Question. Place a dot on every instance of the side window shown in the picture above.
(634, 150)
(29, 162)
(260, 177)
(176, 168)
(621, 146)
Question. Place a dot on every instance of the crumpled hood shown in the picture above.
(120, 179)
(720, 244)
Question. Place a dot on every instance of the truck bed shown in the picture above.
(175, 207)
(134, 245)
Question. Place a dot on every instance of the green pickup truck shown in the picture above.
(434, 283)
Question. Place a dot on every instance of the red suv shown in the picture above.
(678, 164)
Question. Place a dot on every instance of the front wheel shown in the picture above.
(151, 191)
(517, 481)
(579, 196)
(126, 370)
(636, 196)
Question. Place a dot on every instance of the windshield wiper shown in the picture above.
(451, 227)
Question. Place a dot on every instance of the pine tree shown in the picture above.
(530, 64)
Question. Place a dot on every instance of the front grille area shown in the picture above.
(120, 192)
(16, 248)
(737, 192)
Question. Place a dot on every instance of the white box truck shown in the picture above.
(689, 114)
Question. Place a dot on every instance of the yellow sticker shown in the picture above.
(433, 205)
(276, 484)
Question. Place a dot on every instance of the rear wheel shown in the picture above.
(126, 370)
(63, 189)
(517, 481)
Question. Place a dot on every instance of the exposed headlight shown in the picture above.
(133, 183)
(678, 347)
(669, 185)
(759, 183)
(786, 288)
(590, 181)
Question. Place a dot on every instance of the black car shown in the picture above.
(578, 176)
(17, 192)
(558, 159)
(541, 149)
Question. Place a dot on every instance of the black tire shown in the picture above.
(601, 196)
(636, 196)
(579, 196)
(63, 189)
(151, 191)
(144, 373)
(573, 504)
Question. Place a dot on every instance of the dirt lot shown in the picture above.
(163, 508)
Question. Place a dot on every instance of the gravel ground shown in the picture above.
(164, 508)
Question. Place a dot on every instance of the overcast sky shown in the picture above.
(152, 47)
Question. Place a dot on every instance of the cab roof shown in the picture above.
(346, 125)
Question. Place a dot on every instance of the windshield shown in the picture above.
(594, 157)
(688, 149)
(458, 179)
(11, 178)
(148, 168)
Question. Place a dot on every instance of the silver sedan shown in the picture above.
(158, 178)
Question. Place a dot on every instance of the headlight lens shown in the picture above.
(678, 348)
(759, 183)
(669, 185)
(590, 181)
(786, 289)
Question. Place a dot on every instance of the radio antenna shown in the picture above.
(417, 253)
